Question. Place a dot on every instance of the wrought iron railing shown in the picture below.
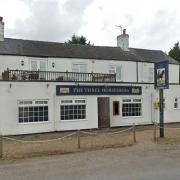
(23, 75)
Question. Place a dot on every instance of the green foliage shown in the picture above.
(175, 52)
(79, 40)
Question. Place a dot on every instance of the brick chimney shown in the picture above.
(123, 41)
(1, 29)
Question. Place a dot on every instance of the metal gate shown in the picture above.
(103, 112)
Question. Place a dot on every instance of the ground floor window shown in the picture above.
(33, 111)
(132, 107)
(73, 109)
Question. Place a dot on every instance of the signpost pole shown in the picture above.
(161, 112)
(161, 70)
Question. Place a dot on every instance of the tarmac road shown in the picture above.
(145, 161)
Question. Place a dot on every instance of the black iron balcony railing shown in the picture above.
(23, 75)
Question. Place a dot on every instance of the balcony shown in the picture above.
(51, 76)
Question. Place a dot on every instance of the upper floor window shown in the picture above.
(38, 64)
(151, 74)
(116, 69)
(79, 67)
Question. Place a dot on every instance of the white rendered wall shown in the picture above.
(143, 72)
(149, 113)
(91, 120)
(9, 107)
(65, 64)
(33, 91)
(173, 73)
(147, 108)
(129, 73)
(30, 91)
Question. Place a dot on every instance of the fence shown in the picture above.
(23, 75)
(172, 131)
(11, 147)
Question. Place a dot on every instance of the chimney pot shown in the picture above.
(124, 31)
(1, 19)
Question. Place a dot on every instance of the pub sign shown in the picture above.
(62, 90)
(161, 71)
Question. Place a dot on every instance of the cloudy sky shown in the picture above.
(153, 24)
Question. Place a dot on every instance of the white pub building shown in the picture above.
(48, 86)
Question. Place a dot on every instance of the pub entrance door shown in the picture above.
(103, 112)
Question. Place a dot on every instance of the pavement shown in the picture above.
(143, 161)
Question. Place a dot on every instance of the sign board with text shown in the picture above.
(62, 90)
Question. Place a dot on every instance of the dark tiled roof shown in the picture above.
(52, 49)
(147, 55)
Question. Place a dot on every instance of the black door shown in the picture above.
(103, 113)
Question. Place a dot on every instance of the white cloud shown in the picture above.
(50, 20)
(151, 24)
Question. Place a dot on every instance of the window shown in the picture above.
(131, 107)
(33, 111)
(116, 69)
(176, 103)
(80, 68)
(115, 108)
(151, 74)
(73, 109)
(38, 64)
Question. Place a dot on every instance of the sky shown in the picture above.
(151, 24)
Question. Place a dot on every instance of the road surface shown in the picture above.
(145, 161)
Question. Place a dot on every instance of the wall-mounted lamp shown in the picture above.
(47, 85)
(10, 85)
(53, 64)
(22, 63)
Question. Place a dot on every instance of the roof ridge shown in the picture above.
(63, 43)
(147, 49)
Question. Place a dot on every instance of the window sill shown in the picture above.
(78, 120)
(176, 108)
(127, 117)
(32, 123)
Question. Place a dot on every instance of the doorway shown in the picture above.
(103, 112)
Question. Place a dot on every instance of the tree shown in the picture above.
(79, 40)
(175, 52)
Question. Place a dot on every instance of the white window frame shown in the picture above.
(151, 74)
(73, 102)
(133, 100)
(113, 68)
(38, 61)
(33, 103)
(79, 65)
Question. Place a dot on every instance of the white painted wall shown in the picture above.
(97, 66)
(144, 73)
(173, 73)
(90, 122)
(33, 91)
(147, 108)
(29, 91)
